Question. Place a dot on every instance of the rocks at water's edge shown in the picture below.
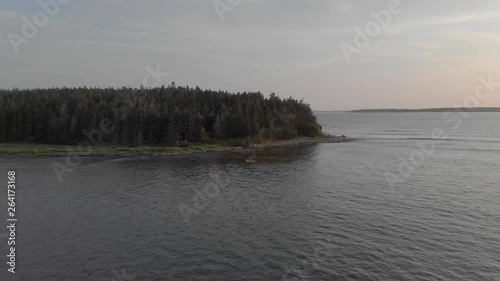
(283, 143)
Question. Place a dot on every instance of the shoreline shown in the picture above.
(223, 149)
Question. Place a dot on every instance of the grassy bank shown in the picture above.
(34, 149)
(44, 150)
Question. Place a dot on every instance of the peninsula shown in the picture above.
(165, 120)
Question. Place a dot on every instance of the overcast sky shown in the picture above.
(430, 54)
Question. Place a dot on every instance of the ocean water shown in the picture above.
(399, 204)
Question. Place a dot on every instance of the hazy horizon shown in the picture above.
(429, 54)
(366, 146)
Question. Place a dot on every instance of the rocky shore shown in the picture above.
(276, 144)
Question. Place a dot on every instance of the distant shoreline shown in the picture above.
(445, 109)
(138, 153)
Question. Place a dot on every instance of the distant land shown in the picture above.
(444, 109)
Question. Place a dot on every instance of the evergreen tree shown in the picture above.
(164, 116)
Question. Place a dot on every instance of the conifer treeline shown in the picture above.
(156, 116)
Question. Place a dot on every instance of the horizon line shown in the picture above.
(410, 109)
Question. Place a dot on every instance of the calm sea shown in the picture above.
(416, 199)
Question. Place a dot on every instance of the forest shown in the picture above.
(167, 115)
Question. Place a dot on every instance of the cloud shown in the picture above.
(287, 46)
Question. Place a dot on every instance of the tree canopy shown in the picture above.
(153, 116)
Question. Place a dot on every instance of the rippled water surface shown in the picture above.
(320, 212)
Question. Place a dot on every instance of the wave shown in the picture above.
(437, 139)
(398, 130)
(396, 133)
(458, 139)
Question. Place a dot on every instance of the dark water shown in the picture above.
(321, 212)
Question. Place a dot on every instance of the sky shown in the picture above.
(419, 54)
